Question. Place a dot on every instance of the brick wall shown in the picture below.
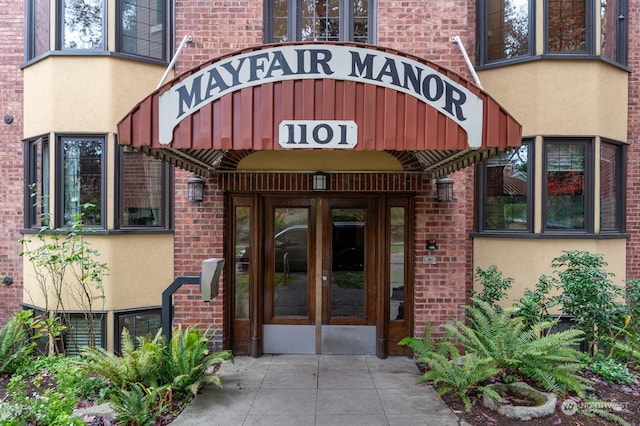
(633, 165)
(11, 161)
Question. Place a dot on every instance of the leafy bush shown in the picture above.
(535, 304)
(139, 405)
(611, 370)
(589, 295)
(450, 372)
(16, 345)
(136, 365)
(187, 363)
(494, 287)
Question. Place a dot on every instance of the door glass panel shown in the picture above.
(347, 262)
(291, 248)
(396, 260)
(242, 233)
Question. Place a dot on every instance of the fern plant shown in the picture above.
(139, 405)
(142, 364)
(449, 371)
(188, 363)
(547, 358)
(16, 347)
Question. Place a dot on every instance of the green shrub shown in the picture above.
(611, 370)
(494, 287)
(16, 345)
(188, 364)
(139, 405)
(531, 352)
(136, 365)
(448, 371)
(589, 295)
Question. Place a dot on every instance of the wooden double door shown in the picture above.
(330, 276)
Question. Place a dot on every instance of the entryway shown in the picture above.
(320, 289)
(329, 277)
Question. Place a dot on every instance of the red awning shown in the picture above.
(218, 134)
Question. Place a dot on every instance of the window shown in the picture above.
(82, 24)
(37, 28)
(37, 182)
(81, 332)
(324, 20)
(568, 184)
(140, 323)
(144, 191)
(81, 183)
(142, 28)
(505, 184)
(611, 184)
(507, 34)
(613, 30)
(567, 26)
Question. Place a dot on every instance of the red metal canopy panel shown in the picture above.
(248, 119)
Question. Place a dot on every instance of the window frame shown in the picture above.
(33, 147)
(588, 184)
(590, 33)
(346, 21)
(168, 176)
(621, 184)
(31, 24)
(481, 179)
(59, 29)
(118, 323)
(59, 221)
(482, 34)
(166, 42)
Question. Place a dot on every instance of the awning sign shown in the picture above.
(334, 134)
(294, 62)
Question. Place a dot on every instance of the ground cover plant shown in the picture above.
(522, 343)
(149, 384)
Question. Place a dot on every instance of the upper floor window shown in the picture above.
(37, 26)
(505, 183)
(82, 24)
(319, 20)
(144, 189)
(508, 24)
(141, 28)
(507, 29)
(80, 188)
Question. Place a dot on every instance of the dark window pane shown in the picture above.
(83, 24)
(82, 180)
(507, 186)
(507, 29)
(143, 190)
(609, 28)
(565, 186)
(609, 172)
(142, 28)
(567, 26)
(37, 210)
(280, 21)
(39, 28)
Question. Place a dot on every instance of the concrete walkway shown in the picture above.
(318, 390)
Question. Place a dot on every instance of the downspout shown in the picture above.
(456, 40)
(183, 43)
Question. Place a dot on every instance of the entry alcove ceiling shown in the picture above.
(220, 134)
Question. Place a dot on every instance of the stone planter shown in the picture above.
(541, 403)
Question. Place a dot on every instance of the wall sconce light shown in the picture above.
(444, 186)
(319, 181)
(195, 189)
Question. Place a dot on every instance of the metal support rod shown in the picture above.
(185, 40)
(166, 317)
(458, 41)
